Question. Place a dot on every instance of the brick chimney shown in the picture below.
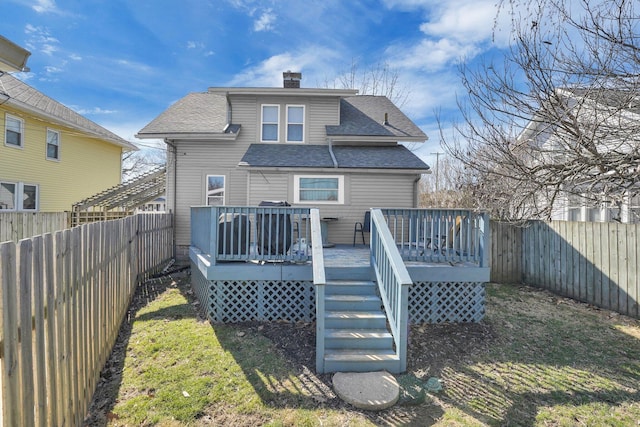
(291, 80)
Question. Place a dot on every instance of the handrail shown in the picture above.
(440, 235)
(319, 281)
(393, 282)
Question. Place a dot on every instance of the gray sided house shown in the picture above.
(336, 158)
(325, 148)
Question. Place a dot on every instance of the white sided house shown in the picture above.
(325, 148)
(608, 123)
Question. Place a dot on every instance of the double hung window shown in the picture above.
(295, 123)
(270, 121)
(53, 145)
(14, 130)
(215, 190)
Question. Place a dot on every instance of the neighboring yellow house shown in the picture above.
(51, 156)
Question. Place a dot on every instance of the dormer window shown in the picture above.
(270, 120)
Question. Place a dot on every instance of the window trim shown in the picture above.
(21, 192)
(6, 129)
(288, 123)
(15, 196)
(18, 201)
(46, 143)
(296, 190)
(206, 189)
(262, 123)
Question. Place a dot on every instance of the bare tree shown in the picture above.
(558, 114)
(135, 163)
(379, 79)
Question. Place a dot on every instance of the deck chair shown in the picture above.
(362, 227)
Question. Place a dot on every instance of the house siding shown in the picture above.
(319, 112)
(86, 165)
(362, 192)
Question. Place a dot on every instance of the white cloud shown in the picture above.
(429, 54)
(265, 22)
(93, 111)
(45, 6)
(41, 40)
(49, 69)
(315, 62)
(471, 21)
(75, 57)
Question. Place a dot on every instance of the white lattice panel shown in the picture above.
(440, 302)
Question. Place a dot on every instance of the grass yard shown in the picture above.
(537, 359)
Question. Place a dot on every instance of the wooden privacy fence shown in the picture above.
(593, 262)
(63, 298)
(15, 226)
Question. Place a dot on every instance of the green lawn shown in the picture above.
(544, 361)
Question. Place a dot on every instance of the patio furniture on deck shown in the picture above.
(362, 227)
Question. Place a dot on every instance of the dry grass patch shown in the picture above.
(536, 359)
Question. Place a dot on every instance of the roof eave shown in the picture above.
(283, 91)
(336, 169)
(376, 138)
(54, 119)
(188, 136)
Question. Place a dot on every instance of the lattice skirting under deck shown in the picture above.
(440, 302)
(232, 301)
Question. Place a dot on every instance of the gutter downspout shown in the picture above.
(229, 109)
(416, 191)
(333, 156)
(175, 192)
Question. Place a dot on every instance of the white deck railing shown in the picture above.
(440, 235)
(393, 282)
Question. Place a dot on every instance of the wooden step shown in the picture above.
(350, 287)
(361, 361)
(353, 302)
(355, 320)
(358, 339)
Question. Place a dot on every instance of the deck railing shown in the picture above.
(319, 281)
(440, 235)
(393, 282)
(243, 233)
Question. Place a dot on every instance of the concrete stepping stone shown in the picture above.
(372, 391)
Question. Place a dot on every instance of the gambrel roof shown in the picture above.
(23, 97)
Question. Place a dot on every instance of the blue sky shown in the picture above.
(122, 62)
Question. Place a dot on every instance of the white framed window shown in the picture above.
(8, 191)
(53, 145)
(18, 196)
(215, 189)
(319, 189)
(13, 131)
(270, 120)
(295, 123)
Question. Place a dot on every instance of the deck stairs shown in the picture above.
(356, 338)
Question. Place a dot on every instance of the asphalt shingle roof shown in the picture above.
(195, 113)
(352, 157)
(36, 100)
(363, 115)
